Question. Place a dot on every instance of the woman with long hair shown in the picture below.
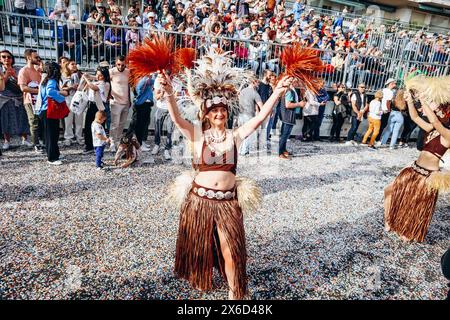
(395, 122)
(341, 104)
(70, 79)
(50, 89)
(102, 86)
(410, 200)
(13, 116)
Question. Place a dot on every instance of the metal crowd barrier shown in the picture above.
(373, 19)
(89, 44)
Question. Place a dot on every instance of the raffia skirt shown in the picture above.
(414, 195)
(198, 248)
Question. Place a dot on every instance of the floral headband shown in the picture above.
(215, 101)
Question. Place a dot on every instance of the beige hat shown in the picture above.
(389, 81)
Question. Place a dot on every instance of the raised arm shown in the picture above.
(186, 128)
(434, 121)
(414, 115)
(250, 126)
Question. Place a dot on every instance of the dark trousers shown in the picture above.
(310, 124)
(28, 23)
(51, 129)
(384, 122)
(286, 130)
(338, 121)
(354, 128)
(273, 122)
(320, 117)
(99, 151)
(90, 117)
(408, 128)
(141, 120)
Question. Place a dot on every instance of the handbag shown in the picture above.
(79, 102)
(56, 110)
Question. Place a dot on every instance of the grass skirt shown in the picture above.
(412, 203)
(198, 246)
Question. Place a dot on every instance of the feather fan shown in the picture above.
(183, 58)
(303, 64)
(152, 56)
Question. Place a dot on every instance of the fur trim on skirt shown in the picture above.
(412, 203)
(198, 247)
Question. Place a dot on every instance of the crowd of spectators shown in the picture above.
(354, 49)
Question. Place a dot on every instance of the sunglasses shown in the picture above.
(6, 57)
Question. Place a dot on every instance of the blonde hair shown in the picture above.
(100, 115)
(379, 94)
(399, 100)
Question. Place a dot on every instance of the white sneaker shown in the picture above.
(144, 148)
(155, 150)
(67, 142)
(167, 155)
(27, 143)
(349, 143)
(378, 143)
(149, 160)
(112, 148)
(55, 163)
(5, 146)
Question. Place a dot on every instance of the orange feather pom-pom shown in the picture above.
(303, 64)
(183, 58)
(152, 56)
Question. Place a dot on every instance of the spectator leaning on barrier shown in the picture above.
(29, 79)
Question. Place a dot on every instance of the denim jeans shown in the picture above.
(353, 129)
(286, 130)
(99, 151)
(394, 126)
(273, 121)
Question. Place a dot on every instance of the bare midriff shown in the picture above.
(428, 161)
(218, 180)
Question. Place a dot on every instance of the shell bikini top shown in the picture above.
(212, 160)
(433, 144)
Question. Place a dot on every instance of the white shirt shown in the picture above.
(97, 128)
(312, 105)
(388, 94)
(375, 110)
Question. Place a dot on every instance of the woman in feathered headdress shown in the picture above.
(211, 220)
(212, 199)
(411, 198)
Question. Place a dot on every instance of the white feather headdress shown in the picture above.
(214, 76)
